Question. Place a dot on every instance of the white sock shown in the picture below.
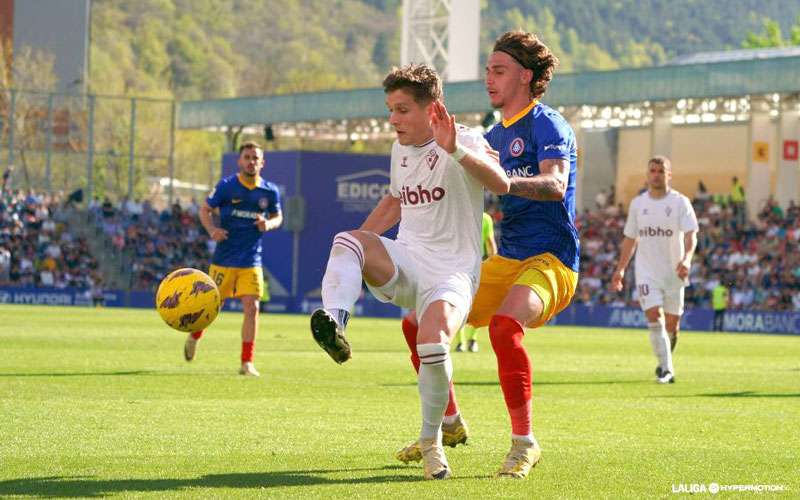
(341, 284)
(660, 343)
(528, 439)
(435, 373)
(449, 419)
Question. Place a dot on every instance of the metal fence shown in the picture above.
(108, 146)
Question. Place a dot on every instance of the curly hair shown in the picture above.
(531, 54)
(422, 82)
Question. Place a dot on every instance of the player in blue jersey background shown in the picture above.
(248, 206)
(534, 274)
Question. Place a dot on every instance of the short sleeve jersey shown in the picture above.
(659, 225)
(441, 205)
(532, 227)
(239, 206)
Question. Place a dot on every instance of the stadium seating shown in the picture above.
(38, 248)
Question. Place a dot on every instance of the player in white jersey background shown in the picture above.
(662, 230)
(438, 172)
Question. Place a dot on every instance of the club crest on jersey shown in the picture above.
(517, 147)
(403, 163)
(668, 211)
(644, 211)
(263, 202)
(431, 158)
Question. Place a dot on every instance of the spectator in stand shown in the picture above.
(5, 265)
(737, 199)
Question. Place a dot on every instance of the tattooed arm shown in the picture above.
(549, 185)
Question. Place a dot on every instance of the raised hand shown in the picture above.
(444, 126)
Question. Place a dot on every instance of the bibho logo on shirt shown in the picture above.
(420, 195)
(653, 232)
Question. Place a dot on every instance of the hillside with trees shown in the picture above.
(199, 49)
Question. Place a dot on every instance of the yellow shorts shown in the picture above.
(547, 276)
(237, 281)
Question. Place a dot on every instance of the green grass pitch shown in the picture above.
(99, 402)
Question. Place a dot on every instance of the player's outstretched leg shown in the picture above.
(190, 346)
(341, 286)
(515, 373)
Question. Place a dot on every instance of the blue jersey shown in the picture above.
(531, 227)
(239, 206)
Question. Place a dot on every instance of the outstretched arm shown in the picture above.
(486, 170)
(549, 185)
(384, 216)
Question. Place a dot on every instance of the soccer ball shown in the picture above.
(188, 300)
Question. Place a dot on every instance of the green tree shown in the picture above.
(772, 36)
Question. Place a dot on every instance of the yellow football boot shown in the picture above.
(519, 461)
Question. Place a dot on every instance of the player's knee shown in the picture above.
(654, 314)
(250, 305)
(433, 336)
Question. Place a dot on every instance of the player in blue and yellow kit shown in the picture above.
(534, 275)
(248, 206)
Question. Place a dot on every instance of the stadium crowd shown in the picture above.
(38, 248)
(153, 242)
(759, 260)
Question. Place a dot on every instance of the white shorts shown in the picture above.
(651, 296)
(419, 282)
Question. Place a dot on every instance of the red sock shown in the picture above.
(410, 333)
(197, 335)
(514, 369)
(247, 351)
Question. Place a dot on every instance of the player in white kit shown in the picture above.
(438, 172)
(662, 230)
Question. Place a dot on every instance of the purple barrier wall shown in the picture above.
(783, 323)
(786, 323)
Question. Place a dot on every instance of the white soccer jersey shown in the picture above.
(659, 225)
(441, 204)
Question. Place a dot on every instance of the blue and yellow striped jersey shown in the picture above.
(239, 205)
(530, 227)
